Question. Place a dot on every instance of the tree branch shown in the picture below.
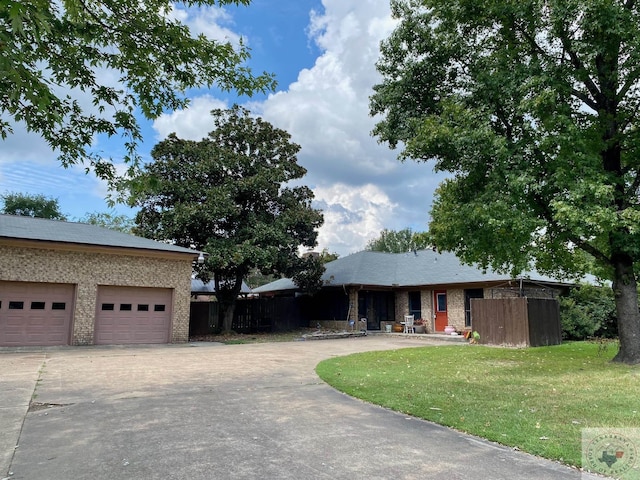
(632, 78)
(588, 101)
(579, 66)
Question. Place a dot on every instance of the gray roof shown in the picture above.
(198, 287)
(424, 267)
(40, 229)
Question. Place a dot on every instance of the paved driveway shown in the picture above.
(211, 411)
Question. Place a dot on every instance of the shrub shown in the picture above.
(588, 311)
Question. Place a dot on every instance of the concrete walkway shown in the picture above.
(211, 411)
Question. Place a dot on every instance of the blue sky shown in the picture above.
(323, 54)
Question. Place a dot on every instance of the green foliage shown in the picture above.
(326, 256)
(308, 274)
(588, 311)
(398, 241)
(56, 53)
(31, 206)
(532, 107)
(121, 223)
(229, 195)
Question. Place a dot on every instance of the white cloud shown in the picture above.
(352, 216)
(327, 112)
(208, 21)
(360, 185)
(192, 123)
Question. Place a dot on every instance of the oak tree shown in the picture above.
(533, 107)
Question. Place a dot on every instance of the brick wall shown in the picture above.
(88, 269)
(455, 308)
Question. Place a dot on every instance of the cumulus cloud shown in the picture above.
(359, 184)
(212, 22)
(193, 123)
(352, 215)
(327, 112)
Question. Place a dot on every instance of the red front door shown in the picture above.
(440, 304)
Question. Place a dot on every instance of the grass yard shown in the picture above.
(535, 399)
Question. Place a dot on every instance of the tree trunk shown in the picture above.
(626, 297)
(227, 312)
(227, 293)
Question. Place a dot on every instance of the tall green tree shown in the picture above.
(533, 107)
(31, 206)
(230, 196)
(398, 241)
(56, 52)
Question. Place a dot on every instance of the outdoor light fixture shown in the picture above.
(200, 259)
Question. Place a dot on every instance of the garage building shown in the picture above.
(65, 283)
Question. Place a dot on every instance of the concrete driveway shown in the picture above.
(211, 411)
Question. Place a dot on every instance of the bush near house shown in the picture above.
(588, 311)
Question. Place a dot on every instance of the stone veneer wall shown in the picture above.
(426, 306)
(402, 305)
(455, 308)
(87, 270)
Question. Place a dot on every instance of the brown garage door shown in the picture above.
(35, 313)
(132, 315)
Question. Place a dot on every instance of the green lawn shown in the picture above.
(536, 399)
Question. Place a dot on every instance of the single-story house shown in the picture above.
(65, 283)
(383, 287)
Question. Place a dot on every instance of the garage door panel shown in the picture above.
(133, 315)
(35, 314)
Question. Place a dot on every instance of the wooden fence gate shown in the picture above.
(519, 321)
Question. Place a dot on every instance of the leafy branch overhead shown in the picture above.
(79, 68)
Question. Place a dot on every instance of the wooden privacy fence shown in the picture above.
(250, 316)
(519, 322)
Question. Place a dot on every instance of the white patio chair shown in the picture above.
(408, 324)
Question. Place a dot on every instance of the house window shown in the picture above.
(143, 307)
(16, 305)
(415, 306)
(37, 305)
(441, 300)
(108, 306)
(158, 308)
(125, 307)
(58, 306)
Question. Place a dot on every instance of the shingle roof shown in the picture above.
(424, 267)
(40, 229)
